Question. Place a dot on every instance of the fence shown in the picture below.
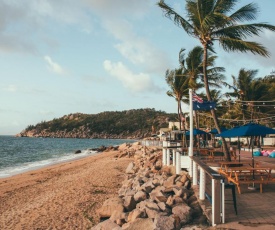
(156, 143)
(203, 175)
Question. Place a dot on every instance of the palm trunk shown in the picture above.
(213, 112)
(179, 113)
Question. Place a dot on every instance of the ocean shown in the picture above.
(21, 154)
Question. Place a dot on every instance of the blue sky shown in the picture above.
(89, 56)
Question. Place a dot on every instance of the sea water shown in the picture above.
(21, 154)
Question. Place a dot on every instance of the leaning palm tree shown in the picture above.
(212, 20)
(178, 87)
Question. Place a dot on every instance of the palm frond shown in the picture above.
(245, 13)
(224, 6)
(230, 44)
(242, 31)
(170, 13)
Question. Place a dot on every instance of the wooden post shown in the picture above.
(216, 202)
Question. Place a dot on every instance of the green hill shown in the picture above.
(134, 124)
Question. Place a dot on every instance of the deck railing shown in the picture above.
(201, 175)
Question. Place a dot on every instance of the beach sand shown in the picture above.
(63, 196)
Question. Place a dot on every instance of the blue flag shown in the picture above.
(205, 105)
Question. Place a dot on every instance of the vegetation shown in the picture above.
(136, 122)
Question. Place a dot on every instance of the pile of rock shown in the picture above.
(152, 197)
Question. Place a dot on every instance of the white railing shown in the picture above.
(200, 173)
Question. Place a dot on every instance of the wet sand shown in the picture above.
(63, 196)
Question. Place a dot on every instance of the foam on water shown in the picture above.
(29, 166)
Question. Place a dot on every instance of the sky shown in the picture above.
(89, 56)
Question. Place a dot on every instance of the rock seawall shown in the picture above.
(152, 196)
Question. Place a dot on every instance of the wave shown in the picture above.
(29, 166)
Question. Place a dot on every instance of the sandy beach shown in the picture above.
(63, 196)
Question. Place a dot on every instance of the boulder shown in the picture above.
(140, 196)
(183, 211)
(130, 168)
(129, 203)
(140, 224)
(106, 225)
(164, 222)
(109, 206)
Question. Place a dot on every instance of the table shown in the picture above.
(248, 175)
(225, 165)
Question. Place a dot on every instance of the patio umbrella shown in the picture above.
(248, 130)
(215, 131)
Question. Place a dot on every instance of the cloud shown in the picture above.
(135, 83)
(11, 88)
(45, 112)
(136, 49)
(54, 67)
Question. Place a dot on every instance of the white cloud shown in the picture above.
(46, 112)
(11, 88)
(136, 49)
(54, 67)
(135, 83)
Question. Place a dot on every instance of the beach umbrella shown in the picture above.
(215, 131)
(248, 130)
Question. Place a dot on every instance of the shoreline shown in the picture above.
(32, 166)
(61, 196)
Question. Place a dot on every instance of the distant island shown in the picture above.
(129, 124)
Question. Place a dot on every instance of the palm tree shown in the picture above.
(248, 89)
(212, 20)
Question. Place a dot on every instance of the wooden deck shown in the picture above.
(255, 210)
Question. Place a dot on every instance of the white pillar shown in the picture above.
(178, 163)
(202, 184)
(164, 156)
(174, 157)
(191, 168)
(191, 142)
(168, 157)
(195, 173)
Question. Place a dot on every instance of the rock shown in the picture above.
(140, 196)
(164, 222)
(170, 201)
(148, 186)
(183, 211)
(118, 217)
(77, 151)
(106, 225)
(158, 165)
(129, 203)
(140, 224)
(130, 168)
(169, 182)
(136, 213)
(109, 206)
